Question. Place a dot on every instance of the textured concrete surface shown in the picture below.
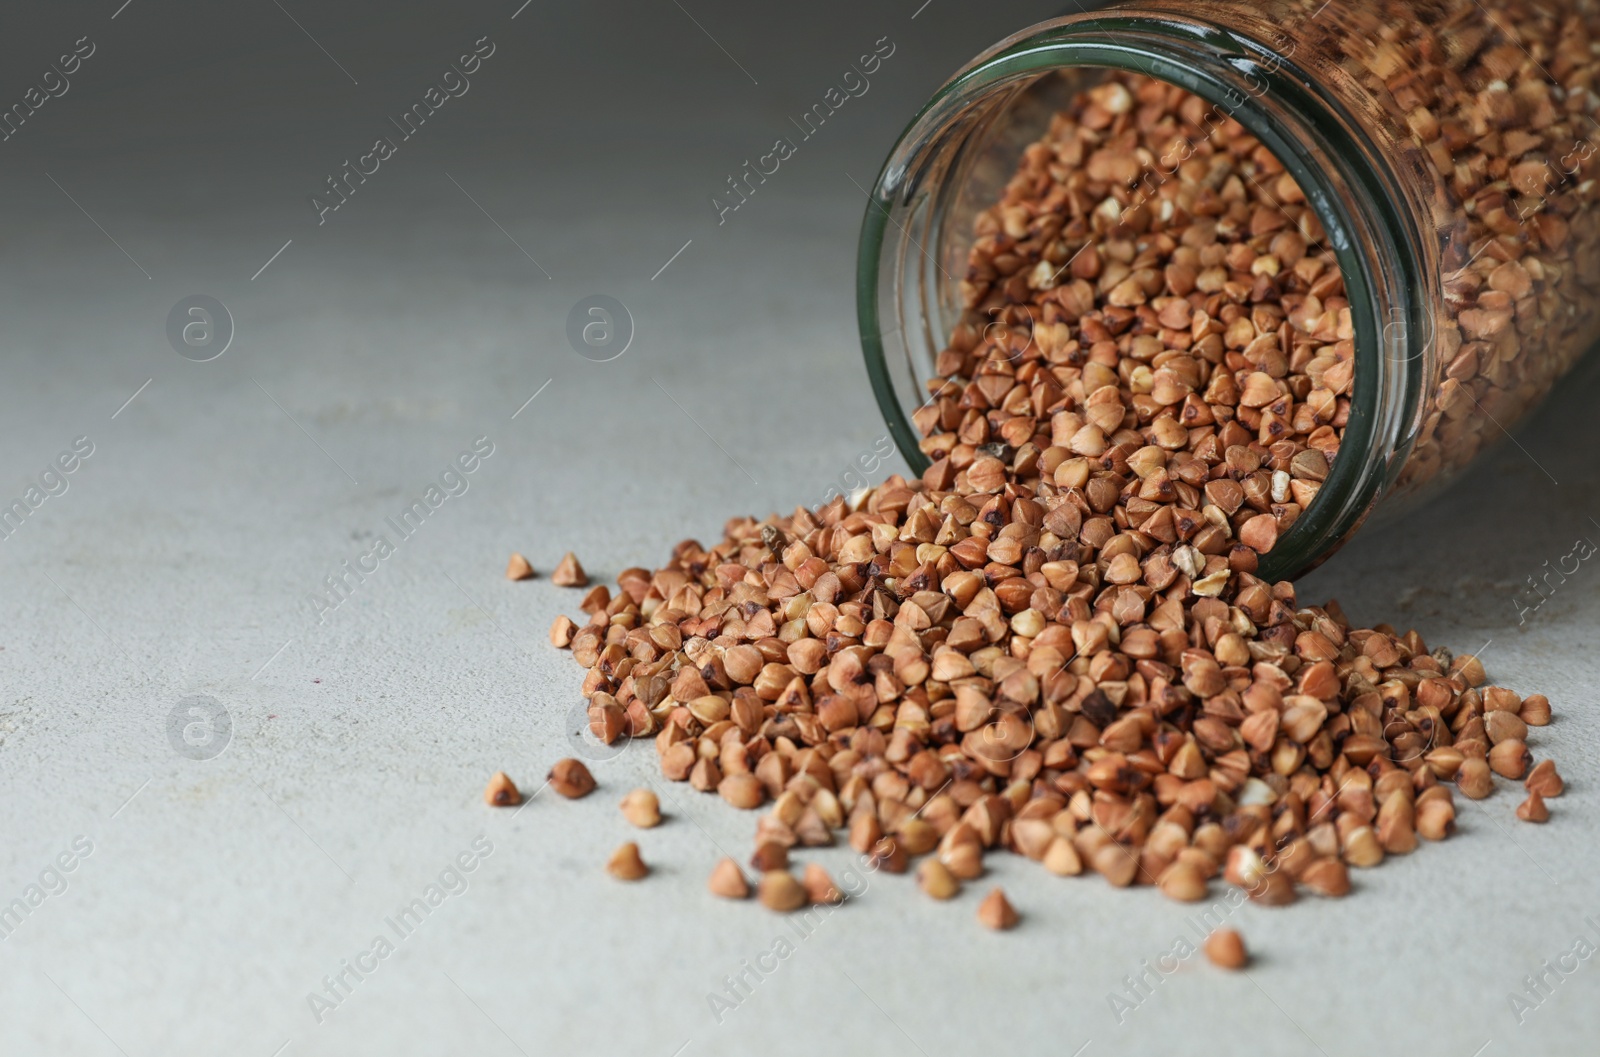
(208, 897)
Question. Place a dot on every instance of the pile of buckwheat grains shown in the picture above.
(1053, 642)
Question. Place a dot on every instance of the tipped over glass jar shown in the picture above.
(1326, 252)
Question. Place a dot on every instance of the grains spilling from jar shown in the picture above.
(1053, 642)
(1145, 731)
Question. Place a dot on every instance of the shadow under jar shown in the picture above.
(1443, 153)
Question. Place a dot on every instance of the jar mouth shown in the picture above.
(1340, 172)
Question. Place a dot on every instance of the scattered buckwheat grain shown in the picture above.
(770, 855)
(625, 863)
(819, 886)
(780, 891)
(501, 791)
(728, 881)
(561, 631)
(571, 778)
(1545, 780)
(996, 912)
(642, 808)
(519, 568)
(569, 573)
(1225, 948)
(936, 879)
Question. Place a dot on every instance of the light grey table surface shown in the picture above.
(182, 558)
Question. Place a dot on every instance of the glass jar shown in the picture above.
(1446, 151)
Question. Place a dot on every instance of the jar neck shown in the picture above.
(909, 267)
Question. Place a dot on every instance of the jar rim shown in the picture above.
(1340, 171)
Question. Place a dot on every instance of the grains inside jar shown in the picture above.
(1178, 356)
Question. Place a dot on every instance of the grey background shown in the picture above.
(377, 346)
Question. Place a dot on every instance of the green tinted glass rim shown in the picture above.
(1168, 50)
